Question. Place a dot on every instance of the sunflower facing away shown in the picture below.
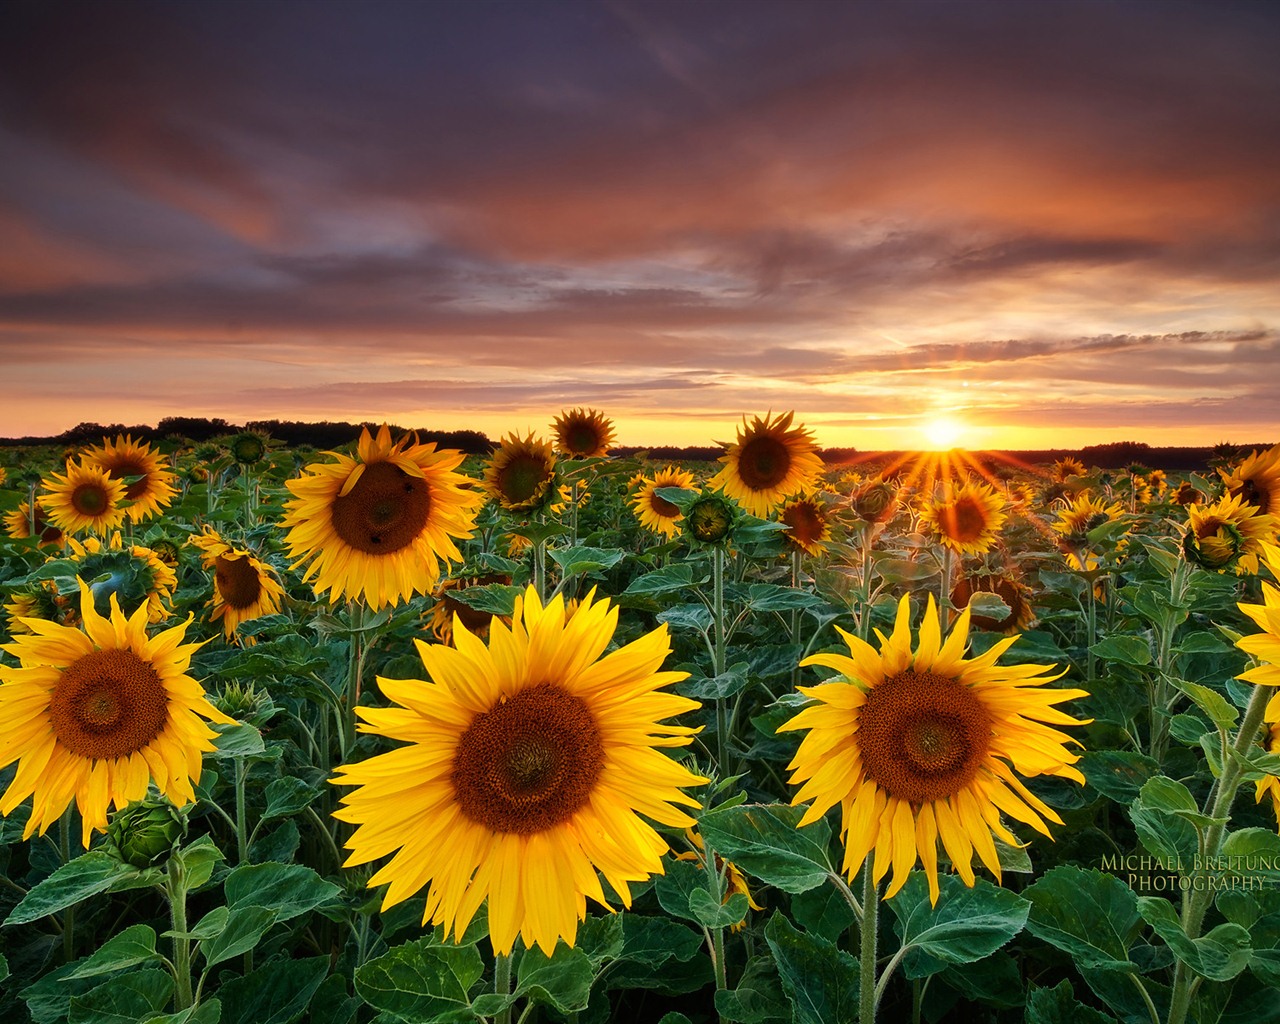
(528, 764)
(922, 746)
(244, 587)
(1227, 533)
(521, 474)
(770, 461)
(808, 526)
(1009, 588)
(376, 526)
(86, 497)
(967, 521)
(447, 605)
(1257, 480)
(583, 433)
(136, 575)
(1064, 469)
(17, 524)
(126, 459)
(654, 511)
(95, 714)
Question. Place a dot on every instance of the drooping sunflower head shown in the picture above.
(377, 526)
(19, 524)
(1082, 516)
(583, 433)
(1219, 536)
(967, 520)
(521, 474)
(1065, 468)
(1186, 494)
(922, 745)
(149, 484)
(526, 766)
(770, 461)
(134, 574)
(96, 714)
(1009, 588)
(875, 501)
(448, 605)
(244, 587)
(86, 497)
(655, 512)
(808, 524)
(1256, 480)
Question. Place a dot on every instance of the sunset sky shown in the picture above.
(1048, 225)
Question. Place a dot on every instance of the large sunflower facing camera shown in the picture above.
(769, 462)
(527, 766)
(149, 484)
(378, 525)
(917, 746)
(96, 714)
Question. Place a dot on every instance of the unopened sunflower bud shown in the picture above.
(710, 519)
(876, 502)
(146, 831)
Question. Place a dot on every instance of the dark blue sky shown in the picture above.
(1050, 223)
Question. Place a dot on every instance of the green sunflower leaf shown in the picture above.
(966, 925)
(764, 840)
(1089, 915)
(1219, 956)
(820, 980)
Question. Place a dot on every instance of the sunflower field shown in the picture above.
(395, 734)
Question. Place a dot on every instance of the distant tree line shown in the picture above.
(335, 433)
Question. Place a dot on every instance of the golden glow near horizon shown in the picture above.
(942, 433)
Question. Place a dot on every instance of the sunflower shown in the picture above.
(1159, 480)
(876, 501)
(1080, 518)
(654, 511)
(1065, 468)
(1269, 784)
(1009, 588)
(1257, 480)
(148, 484)
(583, 433)
(1265, 646)
(96, 714)
(528, 764)
(376, 526)
(924, 745)
(38, 603)
(1186, 494)
(86, 497)
(808, 525)
(770, 461)
(244, 587)
(967, 520)
(248, 447)
(447, 606)
(17, 524)
(521, 474)
(1227, 533)
(735, 881)
(136, 575)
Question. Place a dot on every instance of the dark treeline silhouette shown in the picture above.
(1116, 455)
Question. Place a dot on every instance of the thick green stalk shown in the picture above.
(796, 563)
(864, 610)
(718, 655)
(177, 893)
(944, 598)
(242, 824)
(867, 946)
(69, 917)
(502, 985)
(717, 934)
(1232, 770)
(355, 669)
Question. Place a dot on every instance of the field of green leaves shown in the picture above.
(393, 734)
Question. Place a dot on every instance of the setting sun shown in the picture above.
(942, 432)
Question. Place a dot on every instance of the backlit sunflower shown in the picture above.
(376, 526)
(135, 575)
(152, 487)
(17, 524)
(521, 474)
(654, 511)
(770, 461)
(1265, 646)
(447, 606)
(1077, 520)
(967, 520)
(1064, 469)
(1227, 533)
(923, 746)
(528, 765)
(808, 524)
(96, 714)
(583, 433)
(875, 501)
(1257, 480)
(244, 587)
(1009, 588)
(86, 497)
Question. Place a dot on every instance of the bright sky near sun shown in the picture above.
(918, 224)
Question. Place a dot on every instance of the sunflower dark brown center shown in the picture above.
(581, 439)
(523, 478)
(529, 762)
(923, 736)
(662, 507)
(90, 499)
(237, 581)
(763, 463)
(965, 520)
(108, 704)
(385, 511)
(805, 521)
(125, 468)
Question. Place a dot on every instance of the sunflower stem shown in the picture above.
(355, 669)
(718, 654)
(796, 557)
(944, 598)
(540, 567)
(242, 825)
(716, 888)
(1232, 772)
(573, 516)
(502, 985)
(68, 918)
(864, 611)
(867, 946)
(249, 518)
(176, 890)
